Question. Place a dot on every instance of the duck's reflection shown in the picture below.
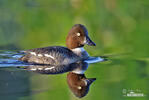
(78, 67)
(76, 79)
(79, 84)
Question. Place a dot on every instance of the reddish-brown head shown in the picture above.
(78, 37)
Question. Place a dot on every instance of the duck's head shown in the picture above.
(78, 37)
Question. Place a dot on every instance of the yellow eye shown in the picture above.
(79, 87)
(78, 34)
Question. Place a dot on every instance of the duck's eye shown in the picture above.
(78, 34)
(79, 87)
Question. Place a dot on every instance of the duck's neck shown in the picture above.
(80, 51)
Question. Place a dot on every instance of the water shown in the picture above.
(14, 74)
(118, 78)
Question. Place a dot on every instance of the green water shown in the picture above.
(119, 29)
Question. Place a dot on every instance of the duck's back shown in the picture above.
(54, 55)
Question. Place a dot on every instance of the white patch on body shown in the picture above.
(78, 34)
(47, 55)
(40, 55)
(78, 71)
(33, 53)
(78, 50)
(40, 68)
(49, 68)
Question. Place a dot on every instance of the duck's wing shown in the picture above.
(50, 55)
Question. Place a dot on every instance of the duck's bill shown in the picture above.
(90, 80)
(90, 42)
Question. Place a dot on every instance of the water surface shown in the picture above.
(115, 78)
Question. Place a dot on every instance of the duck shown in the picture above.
(59, 55)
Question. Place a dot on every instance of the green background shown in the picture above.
(120, 29)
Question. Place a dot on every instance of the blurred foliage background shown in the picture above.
(116, 26)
